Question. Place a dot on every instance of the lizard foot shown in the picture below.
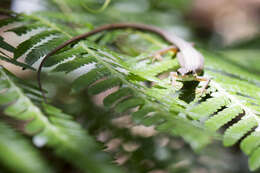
(202, 90)
(173, 78)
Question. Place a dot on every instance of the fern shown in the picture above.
(231, 93)
(17, 154)
(17, 63)
(98, 64)
(5, 45)
(58, 131)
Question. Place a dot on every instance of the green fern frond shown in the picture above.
(77, 63)
(5, 45)
(3, 56)
(92, 64)
(208, 107)
(58, 131)
(64, 56)
(17, 63)
(17, 154)
(238, 130)
(232, 91)
(38, 45)
(7, 21)
(26, 29)
(223, 117)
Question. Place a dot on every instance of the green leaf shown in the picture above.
(119, 94)
(7, 21)
(37, 46)
(59, 57)
(104, 85)
(17, 153)
(77, 63)
(223, 117)
(58, 130)
(128, 103)
(208, 107)
(254, 160)
(13, 61)
(42, 49)
(85, 80)
(25, 28)
(5, 45)
(251, 142)
(233, 91)
(238, 130)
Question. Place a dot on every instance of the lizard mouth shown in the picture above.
(183, 77)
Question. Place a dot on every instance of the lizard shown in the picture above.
(191, 61)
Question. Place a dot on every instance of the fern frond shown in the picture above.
(243, 104)
(17, 63)
(89, 66)
(58, 131)
(7, 21)
(21, 30)
(5, 45)
(238, 130)
(18, 155)
(208, 107)
(64, 56)
(232, 93)
(99, 69)
(38, 45)
(75, 63)
(223, 117)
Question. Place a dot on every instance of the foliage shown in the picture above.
(14, 149)
(58, 130)
(118, 63)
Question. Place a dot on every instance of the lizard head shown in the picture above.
(187, 75)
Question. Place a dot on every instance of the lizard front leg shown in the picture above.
(202, 79)
(158, 55)
(173, 78)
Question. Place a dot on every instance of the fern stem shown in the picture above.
(63, 7)
(102, 8)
